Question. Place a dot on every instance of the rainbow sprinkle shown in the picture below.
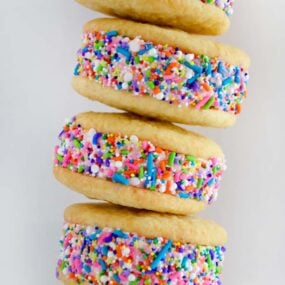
(161, 72)
(111, 256)
(225, 5)
(130, 161)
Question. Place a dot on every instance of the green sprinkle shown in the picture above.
(59, 157)
(141, 172)
(216, 169)
(148, 73)
(64, 264)
(209, 103)
(100, 68)
(147, 281)
(171, 158)
(151, 59)
(151, 85)
(200, 182)
(125, 152)
(76, 143)
(209, 261)
(137, 60)
(107, 155)
(191, 158)
(98, 45)
(135, 282)
(80, 169)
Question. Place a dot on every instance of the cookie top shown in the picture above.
(162, 134)
(196, 16)
(148, 224)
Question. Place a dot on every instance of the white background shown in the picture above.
(38, 44)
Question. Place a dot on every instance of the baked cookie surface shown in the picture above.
(194, 16)
(161, 73)
(136, 162)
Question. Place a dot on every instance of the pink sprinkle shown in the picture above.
(102, 237)
(203, 102)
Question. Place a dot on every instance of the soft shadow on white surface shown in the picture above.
(38, 44)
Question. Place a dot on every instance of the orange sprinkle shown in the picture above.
(118, 158)
(168, 187)
(162, 165)
(167, 174)
(206, 87)
(128, 172)
(158, 149)
(156, 90)
(238, 109)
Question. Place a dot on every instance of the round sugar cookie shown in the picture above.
(136, 162)
(194, 16)
(107, 244)
(161, 73)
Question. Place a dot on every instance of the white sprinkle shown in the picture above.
(132, 277)
(162, 188)
(60, 151)
(89, 230)
(173, 187)
(126, 251)
(88, 55)
(104, 279)
(128, 77)
(94, 168)
(189, 56)
(153, 52)
(190, 73)
(118, 164)
(134, 45)
(111, 254)
(134, 139)
(159, 96)
(134, 181)
(90, 134)
(125, 86)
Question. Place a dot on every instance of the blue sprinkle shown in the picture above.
(76, 70)
(103, 264)
(112, 34)
(211, 181)
(153, 177)
(84, 50)
(96, 138)
(105, 250)
(146, 49)
(195, 68)
(93, 236)
(184, 195)
(209, 69)
(184, 263)
(161, 255)
(117, 278)
(87, 268)
(149, 163)
(237, 76)
(120, 234)
(124, 52)
(220, 67)
(119, 178)
(192, 79)
(227, 81)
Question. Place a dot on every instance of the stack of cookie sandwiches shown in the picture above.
(152, 175)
